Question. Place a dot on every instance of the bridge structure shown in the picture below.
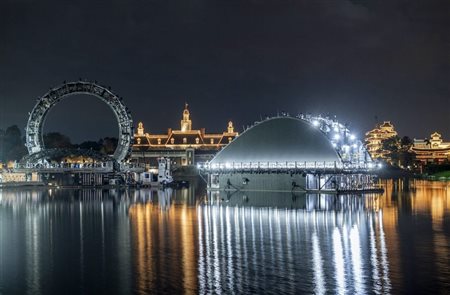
(283, 153)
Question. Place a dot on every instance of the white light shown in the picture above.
(315, 123)
(345, 147)
(354, 145)
(352, 137)
(334, 144)
(228, 165)
(336, 129)
(380, 165)
(337, 136)
(214, 166)
(370, 165)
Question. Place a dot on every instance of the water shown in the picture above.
(175, 241)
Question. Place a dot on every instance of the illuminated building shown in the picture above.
(375, 137)
(184, 146)
(286, 153)
(433, 150)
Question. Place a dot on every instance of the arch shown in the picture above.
(36, 120)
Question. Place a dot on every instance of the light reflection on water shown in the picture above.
(172, 241)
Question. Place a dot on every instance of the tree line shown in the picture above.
(399, 151)
(12, 144)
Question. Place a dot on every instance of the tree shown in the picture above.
(12, 144)
(109, 145)
(56, 140)
(90, 145)
(398, 151)
(406, 142)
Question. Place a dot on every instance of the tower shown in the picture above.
(140, 129)
(230, 127)
(186, 123)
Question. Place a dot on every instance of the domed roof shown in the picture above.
(281, 139)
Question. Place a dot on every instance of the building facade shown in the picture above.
(433, 150)
(375, 137)
(184, 146)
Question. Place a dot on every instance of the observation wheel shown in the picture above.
(36, 120)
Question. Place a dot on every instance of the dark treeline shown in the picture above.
(399, 151)
(12, 144)
(105, 145)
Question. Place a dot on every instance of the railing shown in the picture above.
(62, 167)
(304, 165)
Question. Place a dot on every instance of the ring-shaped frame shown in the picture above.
(36, 120)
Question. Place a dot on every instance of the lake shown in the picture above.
(61, 241)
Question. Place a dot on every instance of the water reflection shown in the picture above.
(173, 241)
(291, 250)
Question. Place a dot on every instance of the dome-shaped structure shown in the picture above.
(280, 139)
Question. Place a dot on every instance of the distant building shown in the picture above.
(184, 146)
(433, 150)
(375, 137)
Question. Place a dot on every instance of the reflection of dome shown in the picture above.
(281, 139)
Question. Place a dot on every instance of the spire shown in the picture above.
(186, 123)
(140, 129)
(230, 127)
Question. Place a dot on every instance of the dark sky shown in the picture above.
(229, 59)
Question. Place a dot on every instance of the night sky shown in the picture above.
(230, 60)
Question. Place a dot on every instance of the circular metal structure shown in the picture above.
(34, 129)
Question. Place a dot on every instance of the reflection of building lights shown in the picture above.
(317, 261)
(339, 261)
(355, 246)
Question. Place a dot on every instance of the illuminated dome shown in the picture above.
(280, 139)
